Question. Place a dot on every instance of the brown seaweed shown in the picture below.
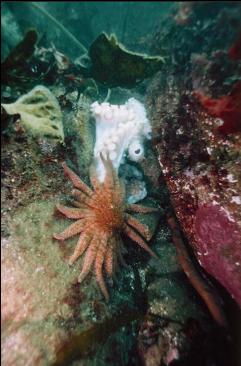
(23, 51)
(113, 65)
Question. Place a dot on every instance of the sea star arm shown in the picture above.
(98, 267)
(109, 261)
(89, 259)
(93, 178)
(122, 189)
(78, 204)
(81, 246)
(138, 239)
(120, 252)
(71, 213)
(141, 228)
(81, 197)
(114, 250)
(77, 182)
(111, 177)
(71, 230)
(142, 209)
(119, 193)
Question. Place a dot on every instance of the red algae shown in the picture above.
(218, 241)
(234, 52)
(227, 107)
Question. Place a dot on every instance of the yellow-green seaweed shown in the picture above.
(40, 113)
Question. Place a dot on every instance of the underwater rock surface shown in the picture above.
(154, 316)
(41, 296)
(47, 316)
(199, 153)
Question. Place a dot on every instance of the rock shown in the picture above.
(200, 163)
(134, 182)
(42, 299)
(176, 323)
(47, 317)
(136, 191)
(80, 133)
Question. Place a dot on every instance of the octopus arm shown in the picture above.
(138, 239)
(71, 230)
(77, 182)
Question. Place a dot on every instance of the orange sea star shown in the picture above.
(102, 214)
